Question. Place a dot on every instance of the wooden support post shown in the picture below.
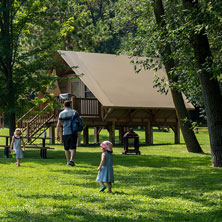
(73, 98)
(149, 134)
(112, 133)
(96, 134)
(86, 135)
(6, 150)
(28, 132)
(52, 135)
(121, 134)
(79, 139)
(126, 129)
(43, 152)
(177, 133)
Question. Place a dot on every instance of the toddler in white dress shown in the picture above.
(16, 145)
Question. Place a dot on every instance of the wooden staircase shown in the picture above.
(34, 124)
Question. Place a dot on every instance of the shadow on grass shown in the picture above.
(43, 196)
(62, 212)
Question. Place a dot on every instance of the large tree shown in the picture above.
(212, 96)
(24, 52)
(166, 55)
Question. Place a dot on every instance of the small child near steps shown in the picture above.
(16, 145)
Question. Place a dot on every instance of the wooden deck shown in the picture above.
(201, 129)
(95, 115)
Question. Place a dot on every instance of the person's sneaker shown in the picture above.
(110, 191)
(102, 188)
(71, 163)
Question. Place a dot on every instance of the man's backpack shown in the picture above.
(76, 123)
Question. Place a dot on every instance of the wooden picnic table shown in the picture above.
(43, 148)
(201, 129)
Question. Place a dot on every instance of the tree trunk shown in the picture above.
(11, 103)
(7, 33)
(185, 123)
(210, 90)
(12, 124)
(183, 117)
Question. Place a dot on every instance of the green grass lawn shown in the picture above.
(165, 183)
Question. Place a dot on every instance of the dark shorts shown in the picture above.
(70, 141)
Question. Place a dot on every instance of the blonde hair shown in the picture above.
(18, 130)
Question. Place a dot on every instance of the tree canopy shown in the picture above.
(25, 51)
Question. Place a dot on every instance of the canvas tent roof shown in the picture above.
(113, 81)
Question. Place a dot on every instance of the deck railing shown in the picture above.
(32, 122)
(88, 107)
(39, 121)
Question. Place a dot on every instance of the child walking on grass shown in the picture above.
(105, 174)
(16, 145)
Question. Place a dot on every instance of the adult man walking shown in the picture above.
(69, 138)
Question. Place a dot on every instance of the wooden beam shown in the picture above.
(127, 120)
(173, 128)
(148, 111)
(52, 135)
(171, 114)
(112, 133)
(141, 120)
(121, 134)
(73, 98)
(79, 139)
(107, 113)
(86, 135)
(96, 134)
(94, 123)
(149, 134)
(155, 113)
(133, 113)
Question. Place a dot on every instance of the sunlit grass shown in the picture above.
(165, 183)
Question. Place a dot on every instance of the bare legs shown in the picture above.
(73, 153)
(67, 153)
(17, 162)
(109, 184)
(70, 155)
